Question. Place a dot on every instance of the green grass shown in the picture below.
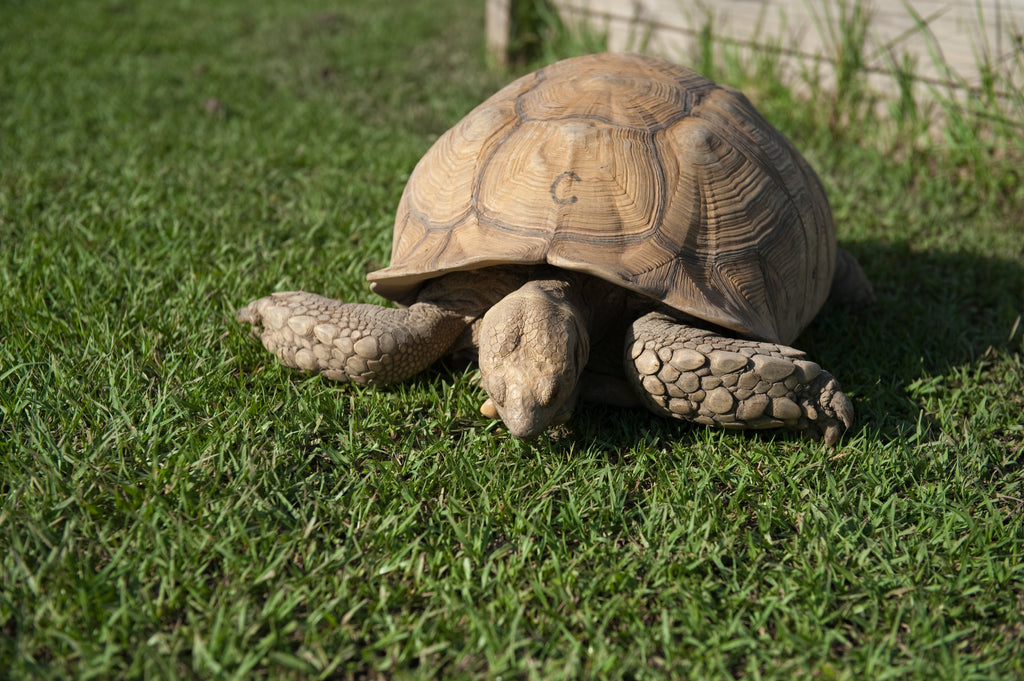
(174, 505)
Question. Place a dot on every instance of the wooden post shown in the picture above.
(499, 26)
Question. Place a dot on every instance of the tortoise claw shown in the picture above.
(828, 412)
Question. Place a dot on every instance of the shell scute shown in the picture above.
(579, 182)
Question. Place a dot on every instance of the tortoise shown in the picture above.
(614, 228)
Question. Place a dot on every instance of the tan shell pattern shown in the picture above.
(634, 170)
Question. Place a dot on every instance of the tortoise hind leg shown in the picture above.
(850, 286)
(365, 344)
(690, 373)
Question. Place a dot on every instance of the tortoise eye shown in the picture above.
(547, 391)
(495, 387)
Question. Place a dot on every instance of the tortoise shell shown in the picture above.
(634, 170)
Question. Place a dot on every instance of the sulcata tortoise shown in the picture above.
(612, 228)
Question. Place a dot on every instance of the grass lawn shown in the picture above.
(175, 505)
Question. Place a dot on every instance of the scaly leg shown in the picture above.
(365, 344)
(694, 374)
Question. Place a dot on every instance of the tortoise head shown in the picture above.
(533, 346)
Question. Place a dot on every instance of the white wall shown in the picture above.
(958, 31)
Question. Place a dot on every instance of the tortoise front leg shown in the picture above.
(365, 344)
(694, 374)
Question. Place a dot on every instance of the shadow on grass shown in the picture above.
(936, 311)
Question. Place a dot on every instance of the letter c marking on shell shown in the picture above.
(561, 179)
